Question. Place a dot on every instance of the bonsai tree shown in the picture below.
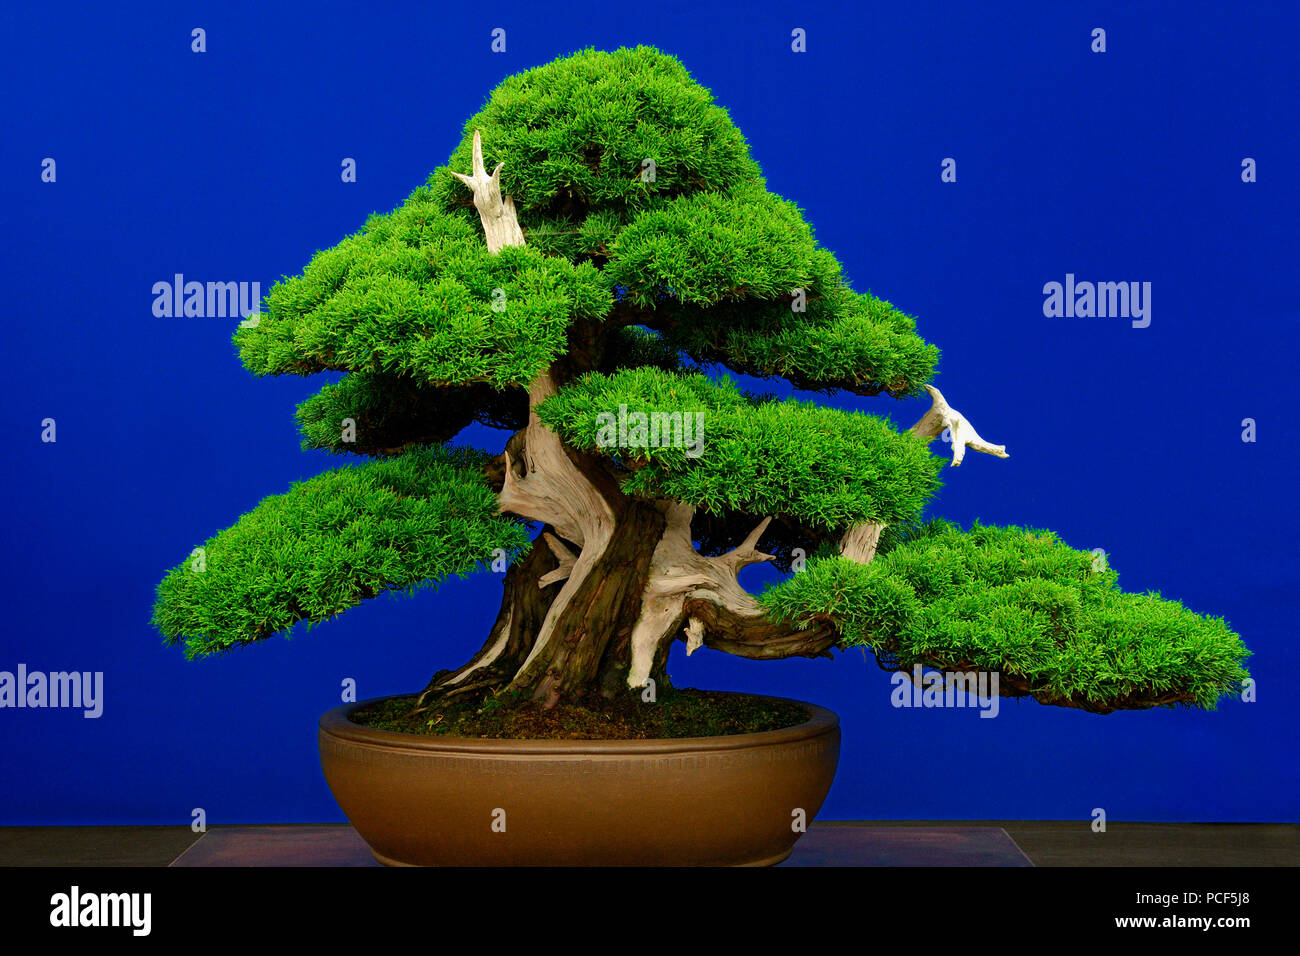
(623, 244)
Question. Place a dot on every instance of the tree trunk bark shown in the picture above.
(523, 608)
(589, 646)
(590, 641)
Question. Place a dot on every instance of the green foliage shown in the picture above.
(1024, 604)
(330, 543)
(701, 248)
(845, 340)
(572, 236)
(574, 134)
(698, 262)
(413, 294)
(704, 246)
(711, 247)
(822, 466)
(391, 412)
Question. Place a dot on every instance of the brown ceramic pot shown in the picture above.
(465, 801)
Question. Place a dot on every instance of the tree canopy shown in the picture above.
(692, 246)
(654, 254)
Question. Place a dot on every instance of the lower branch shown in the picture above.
(755, 636)
(704, 594)
(1015, 686)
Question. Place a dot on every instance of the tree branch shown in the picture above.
(754, 635)
(705, 594)
(566, 559)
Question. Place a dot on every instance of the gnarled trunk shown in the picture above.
(561, 636)
(590, 645)
(611, 582)
(523, 608)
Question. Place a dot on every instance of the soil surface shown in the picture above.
(676, 713)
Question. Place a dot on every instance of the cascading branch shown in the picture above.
(623, 242)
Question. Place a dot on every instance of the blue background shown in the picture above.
(225, 166)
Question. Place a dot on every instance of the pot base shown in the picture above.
(737, 800)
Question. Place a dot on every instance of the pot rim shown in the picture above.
(336, 723)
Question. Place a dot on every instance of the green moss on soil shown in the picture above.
(677, 713)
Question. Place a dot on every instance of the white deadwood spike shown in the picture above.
(694, 635)
(860, 541)
(942, 415)
(500, 223)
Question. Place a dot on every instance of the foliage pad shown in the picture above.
(575, 133)
(333, 541)
(417, 293)
(1024, 604)
(391, 412)
(824, 467)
